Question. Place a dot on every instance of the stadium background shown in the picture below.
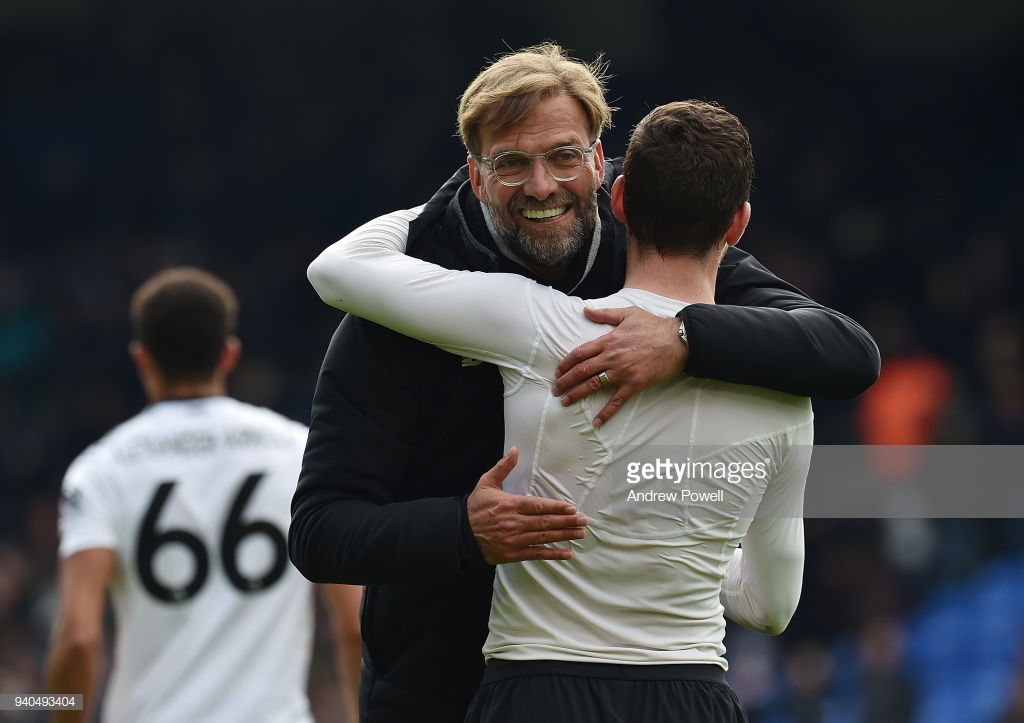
(243, 137)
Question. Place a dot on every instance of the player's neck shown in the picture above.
(187, 390)
(685, 278)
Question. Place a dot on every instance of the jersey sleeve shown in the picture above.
(764, 578)
(88, 506)
(765, 332)
(483, 315)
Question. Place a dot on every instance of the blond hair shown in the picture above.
(506, 91)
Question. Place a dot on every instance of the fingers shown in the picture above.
(507, 463)
(614, 404)
(539, 552)
(642, 350)
(583, 378)
(545, 513)
(593, 384)
(547, 537)
(579, 364)
(525, 514)
(584, 388)
(512, 528)
(605, 316)
(496, 552)
(537, 545)
(496, 475)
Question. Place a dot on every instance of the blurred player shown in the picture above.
(182, 513)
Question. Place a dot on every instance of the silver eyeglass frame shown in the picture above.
(489, 160)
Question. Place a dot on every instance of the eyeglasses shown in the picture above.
(513, 168)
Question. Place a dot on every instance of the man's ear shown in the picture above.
(141, 357)
(149, 373)
(738, 225)
(618, 188)
(229, 355)
(598, 165)
(476, 180)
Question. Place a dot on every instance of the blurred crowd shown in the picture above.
(888, 187)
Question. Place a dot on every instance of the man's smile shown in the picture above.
(545, 214)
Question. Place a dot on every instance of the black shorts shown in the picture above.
(559, 692)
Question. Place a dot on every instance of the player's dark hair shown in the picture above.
(183, 316)
(688, 169)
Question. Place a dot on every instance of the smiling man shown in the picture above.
(543, 206)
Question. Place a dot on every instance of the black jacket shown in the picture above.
(401, 432)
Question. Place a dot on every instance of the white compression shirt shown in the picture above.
(213, 623)
(645, 586)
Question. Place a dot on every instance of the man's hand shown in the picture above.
(512, 528)
(641, 351)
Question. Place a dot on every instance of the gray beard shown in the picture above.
(542, 253)
(546, 252)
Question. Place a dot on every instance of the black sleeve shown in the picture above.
(766, 332)
(355, 518)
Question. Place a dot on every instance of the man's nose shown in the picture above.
(540, 184)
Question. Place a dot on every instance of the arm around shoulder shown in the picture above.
(382, 236)
(765, 332)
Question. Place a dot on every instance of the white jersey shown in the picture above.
(645, 586)
(213, 623)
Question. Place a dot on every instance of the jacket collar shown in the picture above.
(456, 220)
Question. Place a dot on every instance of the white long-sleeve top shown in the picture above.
(651, 581)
